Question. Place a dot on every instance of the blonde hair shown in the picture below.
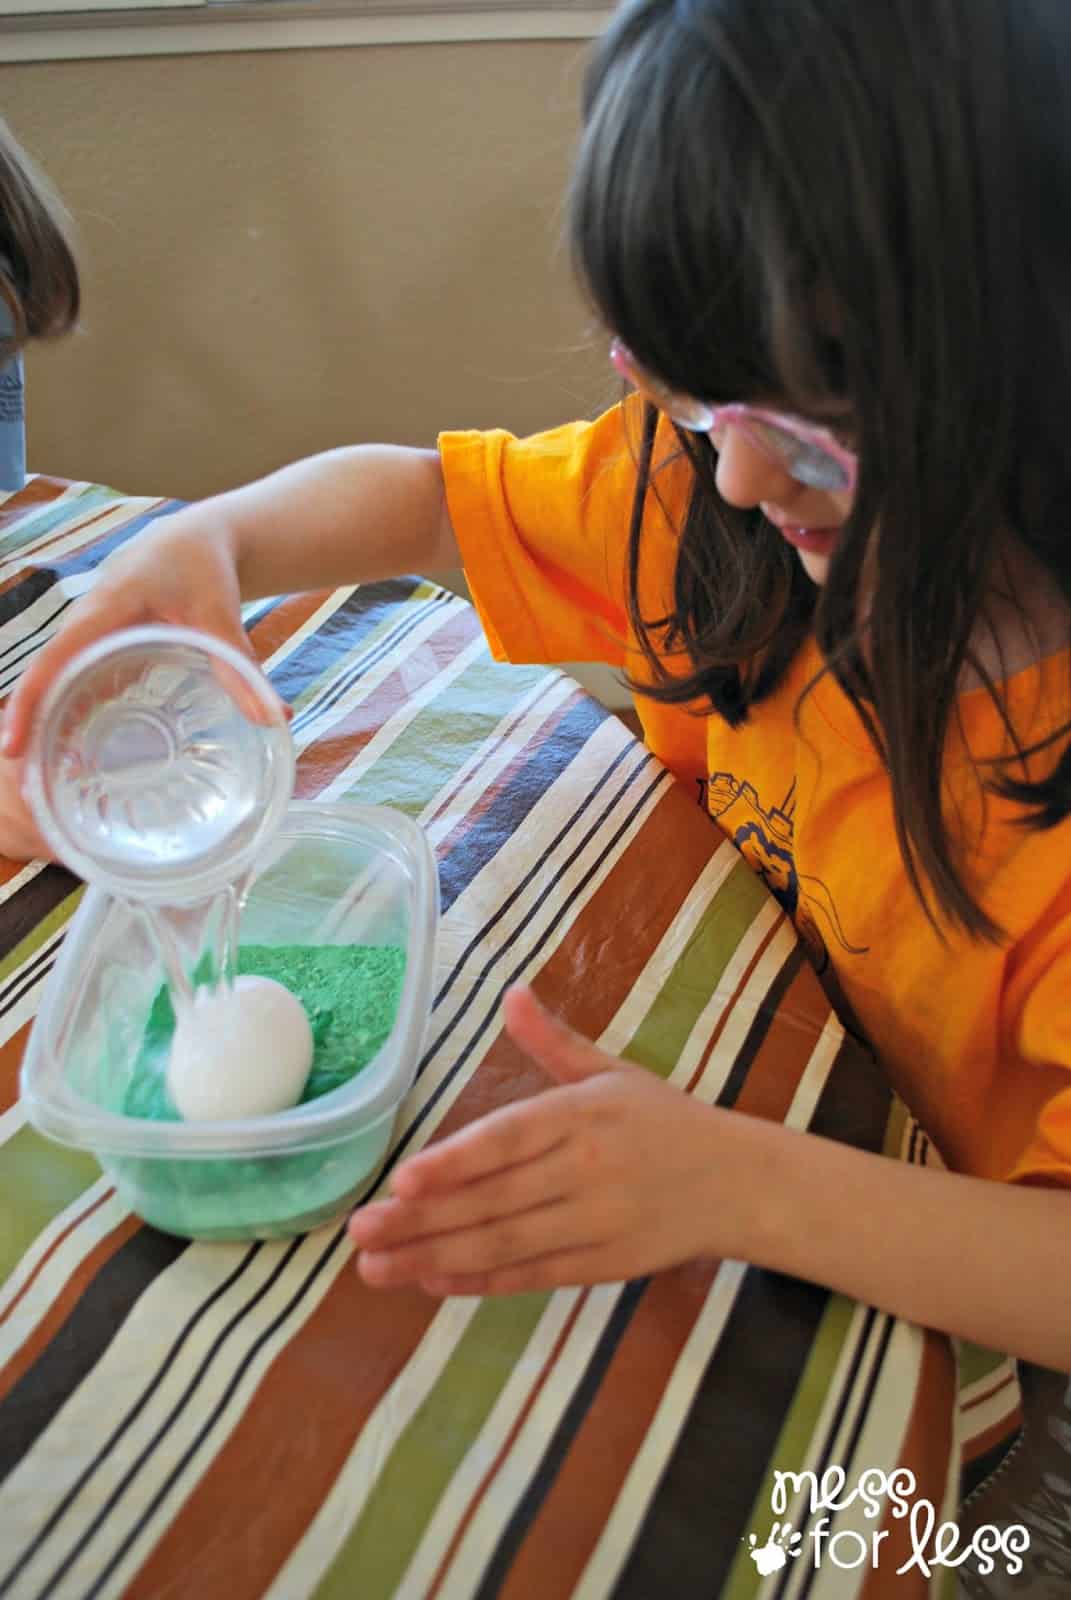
(38, 271)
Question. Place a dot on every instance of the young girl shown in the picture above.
(828, 540)
(38, 289)
(39, 296)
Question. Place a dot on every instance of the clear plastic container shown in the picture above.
(333, 874)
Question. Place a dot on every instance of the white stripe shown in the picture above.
(623, 1523)
(815, 1074)
(21, 879)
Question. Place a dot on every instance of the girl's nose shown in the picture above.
(746, 476)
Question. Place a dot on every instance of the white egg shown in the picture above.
(239, 1052)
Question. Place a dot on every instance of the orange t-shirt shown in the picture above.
(975, 1036)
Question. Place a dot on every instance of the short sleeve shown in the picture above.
(542, 524)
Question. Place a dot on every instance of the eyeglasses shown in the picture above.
(809, 454)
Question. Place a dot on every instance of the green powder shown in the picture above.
(350, 994)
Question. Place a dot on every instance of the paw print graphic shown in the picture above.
(774, 1554)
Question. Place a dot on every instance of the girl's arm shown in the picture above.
(983, 1260)
(350, 515)
(347, 516)
(615, 1174)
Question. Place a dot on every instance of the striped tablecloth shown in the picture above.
(230, 1422)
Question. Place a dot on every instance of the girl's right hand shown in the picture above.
(183, 572)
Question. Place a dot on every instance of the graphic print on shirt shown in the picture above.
(765, 840)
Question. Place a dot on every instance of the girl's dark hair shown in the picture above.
(38, 272)
(851, 208)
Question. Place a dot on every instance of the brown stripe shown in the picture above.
(321, 762)
(272, 631)
(927, 1453)
(563, 1536)
(11, 1052)
(330, 1375)
(64, 1303)
(50, 1252)
(9, 868)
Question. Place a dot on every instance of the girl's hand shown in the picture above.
(19, 837)
(183, 571)
(612, 1175)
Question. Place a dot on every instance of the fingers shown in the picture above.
(494, 1245)
(383, 1224)
(565, 1055)
(515, 1135)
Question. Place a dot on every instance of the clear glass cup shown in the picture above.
(161, 764)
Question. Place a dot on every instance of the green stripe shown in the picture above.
(660, 1039)
(382, 1541)
(40, 935)
(38, 1180)
(794, 1443)
(895, 1128)
(428, 754)
(975, 1363)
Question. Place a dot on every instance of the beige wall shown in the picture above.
(286, 250)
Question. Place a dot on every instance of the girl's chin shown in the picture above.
(815, 566)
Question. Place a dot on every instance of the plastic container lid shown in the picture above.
(161, 764)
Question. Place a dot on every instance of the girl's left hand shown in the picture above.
(612, 1175)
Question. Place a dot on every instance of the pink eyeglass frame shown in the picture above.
(698, 416)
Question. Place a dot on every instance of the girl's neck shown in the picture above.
(1026, 619)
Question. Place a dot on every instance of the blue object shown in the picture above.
(12, 414)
